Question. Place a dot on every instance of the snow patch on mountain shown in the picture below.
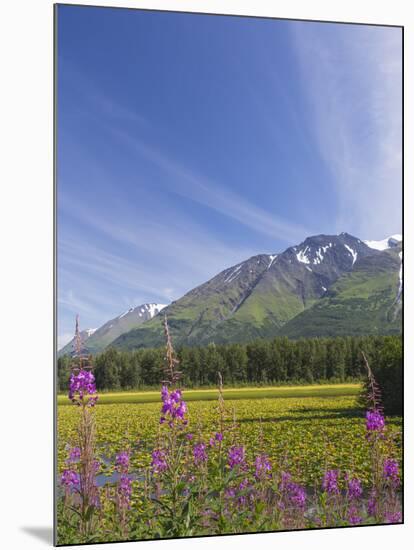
(352, 252)
(388, 242)
(301, 256)
(233, 274)
(152, 309)
(272, 258)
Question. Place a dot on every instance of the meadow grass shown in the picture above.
(325, 390)
(311, 427)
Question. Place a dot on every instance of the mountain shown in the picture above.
(265, 293)
(366, 300)
(95, 340)
(69, 348)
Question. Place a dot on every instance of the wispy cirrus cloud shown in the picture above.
(184, 249)
(108, 263)
(352, 76)
(193, 185)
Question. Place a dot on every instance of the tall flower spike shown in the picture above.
(330, 482)
(122, 462)
(82, 388)
(236, 456)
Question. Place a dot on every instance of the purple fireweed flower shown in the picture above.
(124, 491)
(293, 494)
(393, 517)
(330, 482)
(70, 479)
(212, 442)
(263, 466)
(353, 516)
(74, 455)
(189, 437)
(374, 421)
(92, 401)
(199, 453)
(173, 407)
(236, 456)
(158, 462)
(218, 436)
(122, 461)
(80, 385)
(391, 471)
(296, 495)
(354, 488)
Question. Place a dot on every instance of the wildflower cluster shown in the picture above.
(158, 461)
(122, 462)
(74, 455)
(330, 482)
(293, 494)
(70, 479)
(124, 483)
(124, 491)
(236, 457)
(374, 421)
(199, 453)
(391, 472)
(263, 467)
(173, 407)
(354, 488)
(82, 388)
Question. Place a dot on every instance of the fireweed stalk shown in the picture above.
(83, 394)
(123, 490)
(292, 501)
(383, 503)
(166, 460)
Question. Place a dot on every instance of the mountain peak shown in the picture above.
(320, 249)
(97, 339)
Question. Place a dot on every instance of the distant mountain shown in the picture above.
(265, 293)
(95, 340)
(69, 348)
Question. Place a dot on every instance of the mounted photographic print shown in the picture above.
(229, 281)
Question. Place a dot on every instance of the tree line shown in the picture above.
(260, 362)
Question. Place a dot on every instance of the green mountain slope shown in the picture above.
(364, 301)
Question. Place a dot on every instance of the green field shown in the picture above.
(325, 390)
(305, 429)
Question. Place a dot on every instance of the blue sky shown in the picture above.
(188, 143)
